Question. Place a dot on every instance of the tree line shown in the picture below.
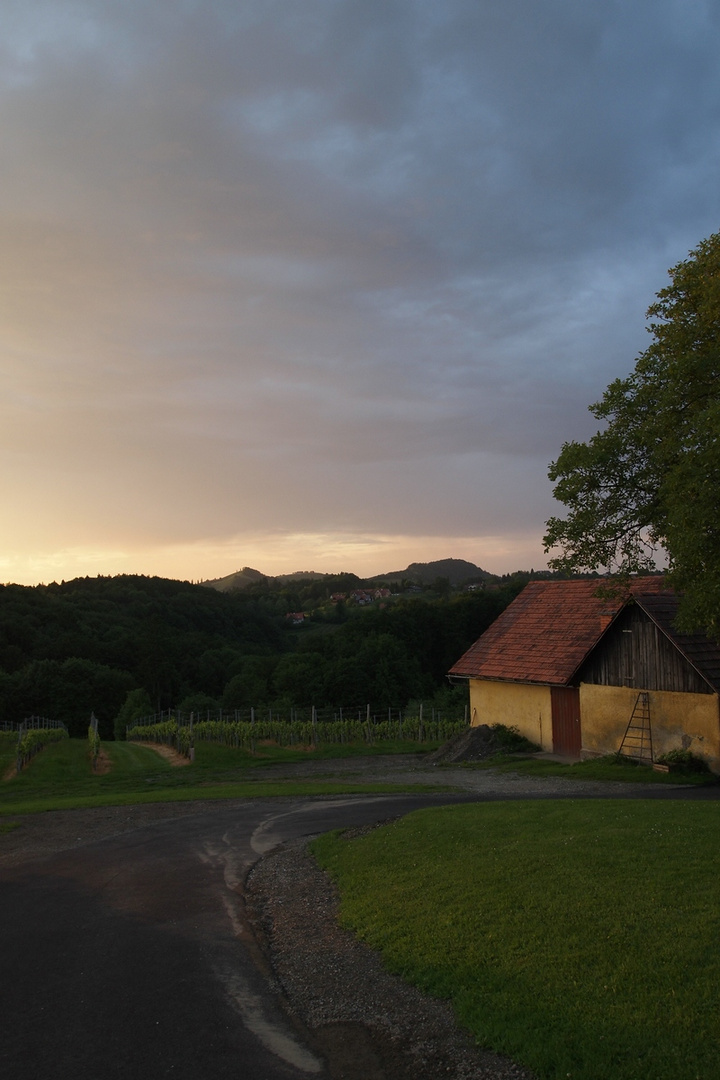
(120, 646)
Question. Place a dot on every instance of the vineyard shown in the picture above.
(311, 728)
(30, 736)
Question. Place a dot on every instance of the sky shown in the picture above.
(325, 285)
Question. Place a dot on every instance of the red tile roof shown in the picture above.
(547, 631)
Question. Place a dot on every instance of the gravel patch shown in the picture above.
(420, 769)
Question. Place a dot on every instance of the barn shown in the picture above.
(584, 674)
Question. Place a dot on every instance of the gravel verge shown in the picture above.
(367, 1023)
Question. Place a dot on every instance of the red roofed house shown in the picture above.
(572, 670)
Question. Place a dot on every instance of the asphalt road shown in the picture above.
(132, 957)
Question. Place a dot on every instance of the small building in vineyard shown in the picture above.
(583, 675)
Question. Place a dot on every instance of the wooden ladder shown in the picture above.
(637, 740)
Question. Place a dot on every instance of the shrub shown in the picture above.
(510, 741)
(683, 761)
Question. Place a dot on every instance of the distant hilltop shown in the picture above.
(457, 572)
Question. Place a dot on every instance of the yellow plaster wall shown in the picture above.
(678, 721)
(515, 704)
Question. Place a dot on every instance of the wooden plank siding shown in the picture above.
(636, 653)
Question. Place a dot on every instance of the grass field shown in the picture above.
(581, 938)
(8, 746)
(60, 777)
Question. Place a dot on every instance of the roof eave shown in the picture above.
(507, 679)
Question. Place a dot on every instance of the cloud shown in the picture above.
(334, 268)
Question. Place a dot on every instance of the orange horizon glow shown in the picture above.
(273, 556)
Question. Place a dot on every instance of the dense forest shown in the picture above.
(111, 645)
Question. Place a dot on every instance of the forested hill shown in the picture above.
(457, 571)
(81, 646)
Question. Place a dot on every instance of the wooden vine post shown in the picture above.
(19, 759)
(94, 740)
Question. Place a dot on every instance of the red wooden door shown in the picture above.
(565, 702)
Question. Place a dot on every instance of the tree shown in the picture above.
(299, 678)
(69, 691)
(650, 479)
(200, 704)
(137, 705)
(250, 686)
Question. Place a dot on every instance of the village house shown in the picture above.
(582, 675)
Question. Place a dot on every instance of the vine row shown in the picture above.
(246, 734)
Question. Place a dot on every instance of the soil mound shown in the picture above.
(473, 744)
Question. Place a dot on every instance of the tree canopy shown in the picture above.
(123, 647)
(649, 480)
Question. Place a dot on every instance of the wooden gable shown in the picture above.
(637, 652)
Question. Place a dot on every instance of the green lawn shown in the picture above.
(60, 777)
(8, 747)
(581, 938)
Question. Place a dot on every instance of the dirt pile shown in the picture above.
(473, 744)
